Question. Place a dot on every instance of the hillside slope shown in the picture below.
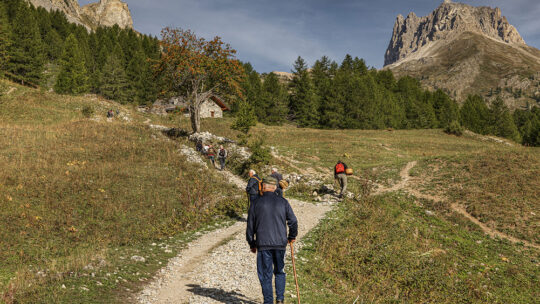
(86, 197)
(466, 50)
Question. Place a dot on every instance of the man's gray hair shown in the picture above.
(252, 171)
(274, 170)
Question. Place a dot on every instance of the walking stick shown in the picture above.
(294, 270)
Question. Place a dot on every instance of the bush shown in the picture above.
(260, 156)
(87, 111)
(454, 128)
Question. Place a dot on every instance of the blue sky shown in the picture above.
(271, 34)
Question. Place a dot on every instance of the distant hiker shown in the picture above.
(212, 155)
(110, 114)
(222, 156)
(341, 176)
(266, 234)
(275, 174)
(205, 149)
(199, 146)
(254, 187)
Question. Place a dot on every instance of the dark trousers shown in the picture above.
(251, 199)
(222, 163)
(269, 263)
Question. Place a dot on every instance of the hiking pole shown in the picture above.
(294, 270)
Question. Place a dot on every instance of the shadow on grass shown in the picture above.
(219, 295)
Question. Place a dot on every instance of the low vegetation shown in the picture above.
(391, 249)
(500, 189)
(82, 196)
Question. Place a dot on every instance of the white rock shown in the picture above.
(137, 258)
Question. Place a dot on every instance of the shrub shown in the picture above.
(454, 128)
(3, 88)
(260, 156)
(87, 111)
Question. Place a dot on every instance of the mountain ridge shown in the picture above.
(93, 15)
(466, 50)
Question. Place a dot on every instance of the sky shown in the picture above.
(271, 34)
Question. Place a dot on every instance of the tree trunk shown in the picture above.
(194, 111)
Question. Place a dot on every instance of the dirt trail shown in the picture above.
(405, 176)
(405, 185)
(218, 267)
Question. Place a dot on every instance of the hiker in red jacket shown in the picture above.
(212, 155)
(341, 176)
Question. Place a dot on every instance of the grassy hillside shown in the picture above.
(390, 250)
(81, 196)
(397, 248)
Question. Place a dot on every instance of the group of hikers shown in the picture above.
(210, 152)
(269, 216)
(111, 114)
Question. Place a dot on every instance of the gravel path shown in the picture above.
(218, 267)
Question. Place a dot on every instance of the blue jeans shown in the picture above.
(271, 262)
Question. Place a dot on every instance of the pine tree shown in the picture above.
(5, 38)
(113, 83)
(501, 121)
(446, 109)
(136, 74)
(73, 78)
(274, 101)
(26, 52)
(303, 103)
(252, 90)
(475, 115)
(245, 117)
(54, 45)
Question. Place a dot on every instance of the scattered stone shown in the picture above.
(137, 258)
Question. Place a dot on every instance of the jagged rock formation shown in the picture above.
(70, 7)
(446, 22)
(102, 13)
(466, 50)
(109, 13)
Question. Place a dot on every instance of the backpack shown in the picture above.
(222, 153)
(283, 184)
(340, 168)
(259, 181)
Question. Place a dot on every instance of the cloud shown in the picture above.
(272, 33)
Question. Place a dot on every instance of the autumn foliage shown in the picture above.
(196, 68)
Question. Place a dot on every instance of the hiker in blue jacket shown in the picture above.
(252, 188)
(266, 234)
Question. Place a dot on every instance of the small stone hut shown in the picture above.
(213, 107)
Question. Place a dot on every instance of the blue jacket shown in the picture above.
(279, 177)
(252, 188)
(267, 222)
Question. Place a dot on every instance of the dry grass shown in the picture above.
(389, 250)
(72, 189)
(500, 189)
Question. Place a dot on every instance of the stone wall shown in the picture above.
(208, 107)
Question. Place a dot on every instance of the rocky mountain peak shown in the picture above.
(413, 34)
(102, 13)
(109, 13)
